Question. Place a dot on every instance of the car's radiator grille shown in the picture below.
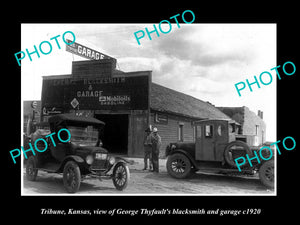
(98, 165)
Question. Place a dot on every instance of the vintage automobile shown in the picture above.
(217, 146)
(79, 158)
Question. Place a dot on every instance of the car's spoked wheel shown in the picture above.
(31, 170)
(178, 165)
(121, 176)
(71, 177)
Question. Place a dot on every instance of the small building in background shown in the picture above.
(253, 126)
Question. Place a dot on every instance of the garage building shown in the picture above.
(128, 102)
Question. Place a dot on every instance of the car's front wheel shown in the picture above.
(179, 166)
(121, 176)
(71, 177)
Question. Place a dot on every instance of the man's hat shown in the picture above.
(155, 130)
(148, 129)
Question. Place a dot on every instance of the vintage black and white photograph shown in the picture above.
(170, 108)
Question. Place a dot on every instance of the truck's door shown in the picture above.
(210, 140)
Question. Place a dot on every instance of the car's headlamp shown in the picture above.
(112, 160)
(89, 159)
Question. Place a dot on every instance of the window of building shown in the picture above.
(256, 129)
(180, 132)
(209, 131)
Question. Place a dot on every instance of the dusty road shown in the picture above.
(145, 182)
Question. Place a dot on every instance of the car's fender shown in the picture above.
(187, 154)
(120, 159)
(75, 158)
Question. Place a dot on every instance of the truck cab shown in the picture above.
(212, 136)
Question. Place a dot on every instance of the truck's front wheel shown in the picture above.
(179, 166)
(266, 174)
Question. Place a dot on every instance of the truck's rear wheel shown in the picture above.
(179, 166)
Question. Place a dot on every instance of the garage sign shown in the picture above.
(85, 52)
(118, 93)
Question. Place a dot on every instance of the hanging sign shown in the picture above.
(85, 52)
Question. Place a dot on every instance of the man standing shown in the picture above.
(156, 143)
(148, 149)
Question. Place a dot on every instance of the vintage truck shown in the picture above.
(217, 146)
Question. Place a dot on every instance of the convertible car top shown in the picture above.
(69, 117)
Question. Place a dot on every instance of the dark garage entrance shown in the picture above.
(115, 133)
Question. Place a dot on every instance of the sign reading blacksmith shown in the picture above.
(85, 52)
(116, 93)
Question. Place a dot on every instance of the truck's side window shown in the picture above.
(208, 131)
(219, 130)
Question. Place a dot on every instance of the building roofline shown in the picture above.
(177, 114)
(57, 76)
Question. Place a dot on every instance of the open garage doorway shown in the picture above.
(115, 133)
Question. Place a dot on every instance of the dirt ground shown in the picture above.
(145, 182)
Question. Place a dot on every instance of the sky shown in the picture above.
(201, 60)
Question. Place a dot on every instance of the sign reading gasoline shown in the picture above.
(85, 52)
(114, 93)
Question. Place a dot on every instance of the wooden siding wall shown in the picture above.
(169, 132)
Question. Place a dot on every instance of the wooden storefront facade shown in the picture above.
(128, 102)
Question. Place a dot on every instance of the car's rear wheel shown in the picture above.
(266, 173)
(31, 170)
(234, 150)
(71, 177)
(121, 176)
(179, 166)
